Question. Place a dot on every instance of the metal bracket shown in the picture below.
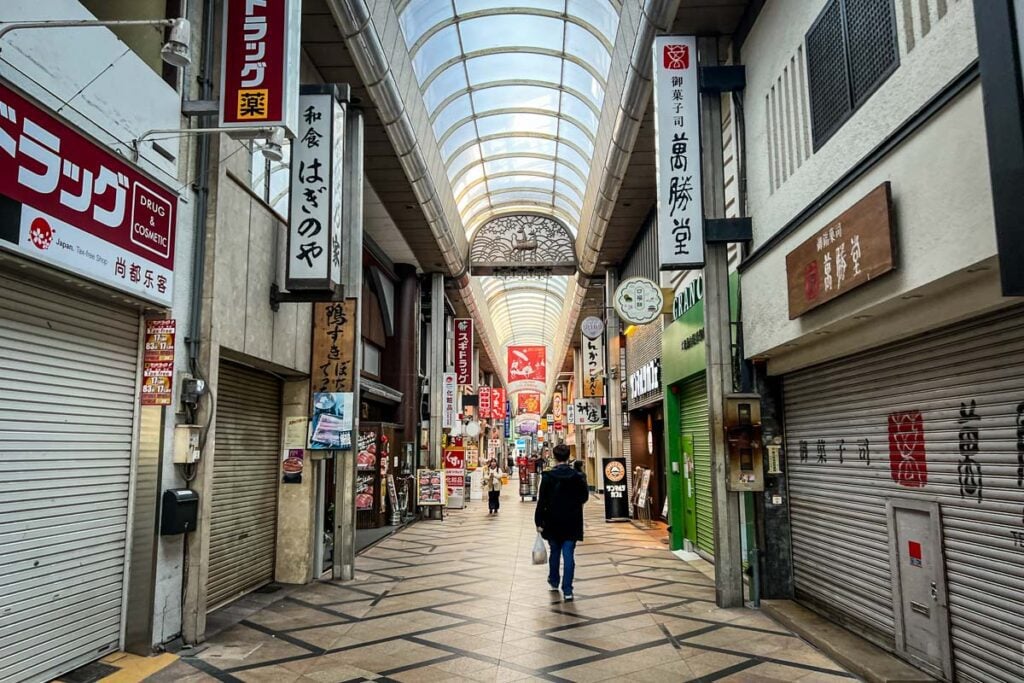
(719, 230)
(277, 297)
(193, 108)
(720, 79)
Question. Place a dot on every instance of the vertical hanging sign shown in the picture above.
(260, 57)
(677, 153)
(314, 232)
(484, 400)
(464, 350)
(448, 410)
(527, 368)
(592, 351)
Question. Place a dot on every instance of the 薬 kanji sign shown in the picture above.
(677, 153)
(315, 218)
(80, 208)
(260, 64)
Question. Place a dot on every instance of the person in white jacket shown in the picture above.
(492, 484)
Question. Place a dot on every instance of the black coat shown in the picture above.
(563, 491)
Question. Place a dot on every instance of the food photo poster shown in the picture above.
(332, 421)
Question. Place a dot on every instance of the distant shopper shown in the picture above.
(559, 518)
(492, 484)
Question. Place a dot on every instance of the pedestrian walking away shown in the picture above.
(492, 484)
(559, 518)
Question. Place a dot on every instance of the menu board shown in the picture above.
(430, 487)
(366, 476)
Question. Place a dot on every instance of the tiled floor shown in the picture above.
(459, 600)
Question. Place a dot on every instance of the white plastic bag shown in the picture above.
(540, 551)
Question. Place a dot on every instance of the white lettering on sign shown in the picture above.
(645, 380)
(688, 297)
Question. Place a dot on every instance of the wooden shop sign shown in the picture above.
(851, 250)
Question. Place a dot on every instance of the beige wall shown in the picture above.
(296, 503)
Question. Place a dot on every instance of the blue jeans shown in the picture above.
(566, 550)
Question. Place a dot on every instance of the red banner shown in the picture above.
(454, 459)
(528, 403)
(485, 403)
(254, 60)
(498, 408)
(463, 351)
(527, 368)
(80, 207)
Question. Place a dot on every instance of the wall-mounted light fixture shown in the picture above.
(176, 51)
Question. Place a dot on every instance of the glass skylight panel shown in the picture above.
(441, 47)
(457, 138)
(458, 109)
(569, 191)
(446, 83)
(576, 109)
(463, 159)
(472, 193)
(585, 45)
(511, 31)
(598, 13)
(582, 81)
(514, 66)
(509, 123)
(566, 172)
(568, 208)
(524, 182)
(519, 145)
(467, 6)
(570, 132)
(420, 15)
(516, 97)
(520, 196)
(495, 166)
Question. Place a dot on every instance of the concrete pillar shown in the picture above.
(437, 367)
(612, 367)
(296, 503)
(728, 552)
(406, 342)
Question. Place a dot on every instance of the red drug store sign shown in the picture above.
(68, 202)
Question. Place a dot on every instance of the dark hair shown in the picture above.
(578, 465)
(561, 453)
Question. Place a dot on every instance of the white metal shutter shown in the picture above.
(694, 421)
(246, 469)
(68, 373)
(840, 537)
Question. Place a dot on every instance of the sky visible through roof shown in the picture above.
(514, 92)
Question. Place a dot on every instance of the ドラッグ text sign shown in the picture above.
(260, 64)
(677, 152)
(78, 207)
(464, 350)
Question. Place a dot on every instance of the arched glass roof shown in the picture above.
(514, 92)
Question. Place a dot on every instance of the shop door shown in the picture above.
(918, 578)
(934, 419)
(246, 470)
(68, 379)
(694, 429)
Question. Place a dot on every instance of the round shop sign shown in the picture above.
(592, 327)
(614, 471)
(639, 301)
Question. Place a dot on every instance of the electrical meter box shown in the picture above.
(186, 444)
(745, 466)
(179, 512)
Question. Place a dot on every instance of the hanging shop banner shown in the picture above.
(332, 421)
(850, 251)
(158, 363)
(260, 57)
(527, 368)
(77, 207)
(332, 365)
(570, 412)
(556, 406)
(680, 212)
(638, 300)
(485, 403)
(454, 458)
(472, 457)
(430, 488)
(592, 352)
(528, 403)
(498, 405)
(315, 220)
(588, 411)
(449, 412)
(616, 496)
(464, 350)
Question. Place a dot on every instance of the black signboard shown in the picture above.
(616, 497)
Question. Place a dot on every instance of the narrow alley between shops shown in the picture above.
(459, 600)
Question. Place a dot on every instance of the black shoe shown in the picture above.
(567, 597)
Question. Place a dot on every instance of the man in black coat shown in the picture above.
(559, 517)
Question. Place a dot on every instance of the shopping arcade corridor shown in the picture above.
(459, 600)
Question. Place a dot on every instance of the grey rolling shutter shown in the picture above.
(968, 376)
(68, 370)
(694, 409)
(246, 469)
